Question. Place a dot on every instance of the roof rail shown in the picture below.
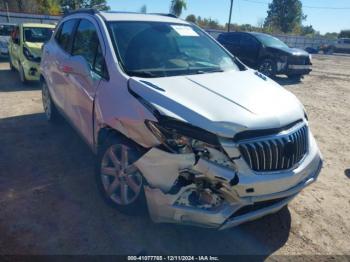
(162, 14)
(90, 11)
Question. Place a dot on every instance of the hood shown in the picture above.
(222, 103)
(291, 51)
(34, 48)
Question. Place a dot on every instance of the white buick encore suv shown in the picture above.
(179, 126)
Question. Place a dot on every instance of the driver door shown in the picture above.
(80, 92)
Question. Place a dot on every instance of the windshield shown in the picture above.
(6, 30)
(37, 34)
(154, 49)
(268, 40)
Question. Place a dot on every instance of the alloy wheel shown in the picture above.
(121, 179)
(46, 101)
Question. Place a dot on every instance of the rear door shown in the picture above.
(81, 90)
(249, 49)
(231, 41)
(59, 53)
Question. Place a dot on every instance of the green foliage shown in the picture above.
(284, 16)
(177, 6)
(344, 34)
(191, 18)
(50, 7)
(67, 5)
(333, 35)
(143, 9)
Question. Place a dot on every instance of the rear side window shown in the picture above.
(64, 34)
(249, 42)
(86, 41)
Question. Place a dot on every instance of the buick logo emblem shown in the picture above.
(289, 149)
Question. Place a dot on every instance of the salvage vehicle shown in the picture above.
(267, 54)
(342, 45)
(25, 49)
(5, 33)
(179, 126)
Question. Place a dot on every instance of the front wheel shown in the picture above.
(119, 180)
(267, 67)
(22, 75)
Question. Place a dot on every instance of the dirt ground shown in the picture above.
(49, 203)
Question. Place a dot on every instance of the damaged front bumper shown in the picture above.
(162, 169)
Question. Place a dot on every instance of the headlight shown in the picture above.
(28, 54)
(310, 57)
(182, 138)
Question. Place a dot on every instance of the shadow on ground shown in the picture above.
(49, 204)
(10, 82)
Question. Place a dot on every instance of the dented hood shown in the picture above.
(223, 103)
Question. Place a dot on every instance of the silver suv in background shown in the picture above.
(6, 30)
(178, 125)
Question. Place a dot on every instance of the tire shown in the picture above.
(12, 68)
(118, 180)
(22, 76)
(267, 67)
(50, 109)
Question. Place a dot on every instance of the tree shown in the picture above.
(191, 18)
(344, 34)
(177, 6)
(307, 30)
(143, 9)
(284, 15)
(67, 5)
(50, 7)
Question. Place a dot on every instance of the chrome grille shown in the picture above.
(273, 153)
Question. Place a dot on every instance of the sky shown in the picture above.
(333, 16)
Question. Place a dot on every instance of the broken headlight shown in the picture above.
(180, 137)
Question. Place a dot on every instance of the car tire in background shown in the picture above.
(22, 76)
(50, 109)
(267, 67)
(12, 68)
(119, 181)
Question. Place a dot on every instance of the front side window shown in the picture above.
(37, 34)
(6, 30)
(155, 49)
(86, 41)
(64, 34)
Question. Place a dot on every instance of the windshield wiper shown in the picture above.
(215, 70)
(147, 74)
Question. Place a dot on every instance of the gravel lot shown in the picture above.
(49, 203)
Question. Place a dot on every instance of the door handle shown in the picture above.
(66, 69)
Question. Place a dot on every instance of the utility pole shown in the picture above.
(229, 19)
(7, 12)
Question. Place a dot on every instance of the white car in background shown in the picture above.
(5, 34)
